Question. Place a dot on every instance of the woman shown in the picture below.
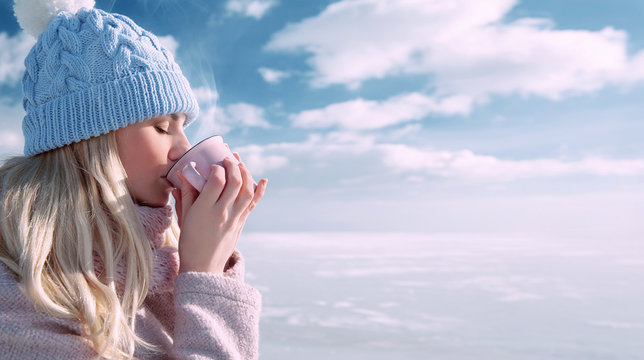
(89, 265)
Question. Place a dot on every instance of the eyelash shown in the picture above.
(160, 130)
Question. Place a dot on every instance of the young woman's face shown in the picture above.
(148, 149)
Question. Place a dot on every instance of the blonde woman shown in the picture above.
(92, 262)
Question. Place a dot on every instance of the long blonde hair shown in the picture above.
(60, 209)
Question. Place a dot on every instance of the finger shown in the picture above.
(246, 192)
(260, 190)
(259, 194)
(233, 183)
(176, 194)
(188, 195)
(236, 155)
(214, 185)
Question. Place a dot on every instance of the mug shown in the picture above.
(195, 163)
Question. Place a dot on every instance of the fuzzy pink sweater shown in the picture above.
(187, 316)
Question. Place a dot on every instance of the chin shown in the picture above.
(160, 203)
(154, 201)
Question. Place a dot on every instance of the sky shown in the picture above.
(501, 116)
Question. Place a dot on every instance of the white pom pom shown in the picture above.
(35, 15)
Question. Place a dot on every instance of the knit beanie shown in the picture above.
(92, 72)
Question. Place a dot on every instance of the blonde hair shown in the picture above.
(75, 205)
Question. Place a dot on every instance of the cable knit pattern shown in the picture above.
(93, 72)
(204, 316)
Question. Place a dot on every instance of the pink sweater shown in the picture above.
(192, 316)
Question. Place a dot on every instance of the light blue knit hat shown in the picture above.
(93, 72)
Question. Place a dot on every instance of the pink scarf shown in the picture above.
(166, 259)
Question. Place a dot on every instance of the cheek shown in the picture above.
(138, 155)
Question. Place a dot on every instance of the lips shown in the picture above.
(165, 179)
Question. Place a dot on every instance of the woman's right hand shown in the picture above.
(211, 221)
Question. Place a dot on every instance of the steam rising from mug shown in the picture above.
(195, 163)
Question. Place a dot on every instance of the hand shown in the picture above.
(211, 222)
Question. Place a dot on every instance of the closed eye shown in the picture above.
(161, 130)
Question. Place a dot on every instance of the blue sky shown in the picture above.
(417, 115)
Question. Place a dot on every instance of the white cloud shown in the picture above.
(246, 115)
(206, 95)
(366, 114)
(404, 131)
(259, 161)
(11, 138)
(468, 165)
(12, 141)
(12, 57)
(170, 43)
(250, 8)
(463, 46)
(218, 120)
(272, 76)
(617, 324)
(212, 120)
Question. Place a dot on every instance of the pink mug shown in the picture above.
(195, 163)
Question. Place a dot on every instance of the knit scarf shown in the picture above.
(166, 259)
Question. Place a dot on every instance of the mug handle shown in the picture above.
(193, 176)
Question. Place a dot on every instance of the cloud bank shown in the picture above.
(360, 114)
(12, 57)
(250, 8)
(462, 47)
(468, 165)
(424, 162)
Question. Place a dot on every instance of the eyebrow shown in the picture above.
(178, 117)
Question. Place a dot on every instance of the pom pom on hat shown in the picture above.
(34, 16)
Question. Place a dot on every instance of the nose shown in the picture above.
(180, 146)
